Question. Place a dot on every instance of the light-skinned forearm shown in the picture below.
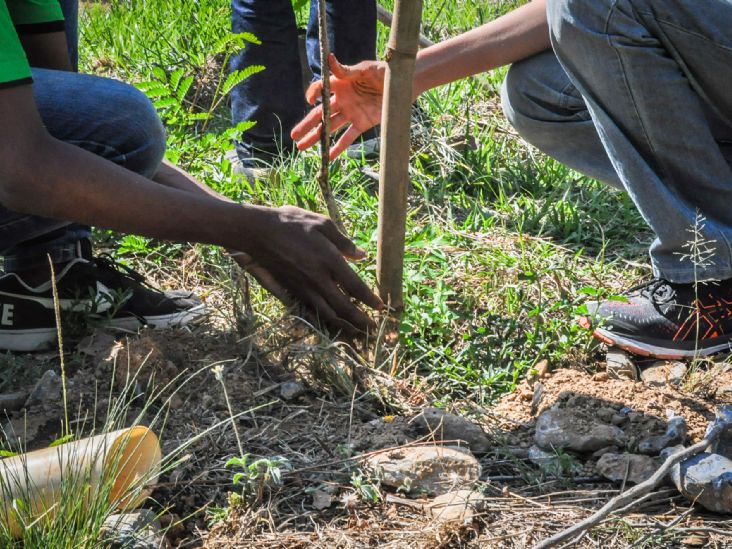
(517, 35)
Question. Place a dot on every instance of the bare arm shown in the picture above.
(517, 35)
(47, 50)
(303, 251)
(358, 90)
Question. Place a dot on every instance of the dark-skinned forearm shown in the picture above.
(47, 50)
(518, 34)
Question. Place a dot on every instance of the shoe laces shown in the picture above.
(657, 290)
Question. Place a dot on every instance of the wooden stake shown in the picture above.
(325, 188)
(395, 145)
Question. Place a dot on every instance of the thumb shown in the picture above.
(314, 91)
(338, 70)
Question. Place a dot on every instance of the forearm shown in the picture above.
(78, 186)
(517, 35)
(177, 178)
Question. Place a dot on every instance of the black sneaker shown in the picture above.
(98, 289)
(665, 320)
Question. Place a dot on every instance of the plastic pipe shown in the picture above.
(112, 462)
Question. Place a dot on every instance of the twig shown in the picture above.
(638, 492)
(325, 188)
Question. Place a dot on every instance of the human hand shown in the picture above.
(299, 255)
(357, 93)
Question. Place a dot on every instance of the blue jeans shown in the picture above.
(106, 117)
(637, 94)
(275, 98)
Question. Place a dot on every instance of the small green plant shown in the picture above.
(258, 474)
(365, 487)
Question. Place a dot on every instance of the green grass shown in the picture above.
(503, 243)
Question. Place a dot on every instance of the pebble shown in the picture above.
(557, 428)
(616, 467)
(459, 506)
(600, 376)
(48, 389)
(134, 530)
(663, 373)
(425, 469)
(290, 390)
(620, 365)
(441, 425)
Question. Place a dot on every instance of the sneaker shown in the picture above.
(99, 290)
(252, 171)
(665, 320)
(365, 149)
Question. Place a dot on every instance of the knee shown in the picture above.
(143, 140)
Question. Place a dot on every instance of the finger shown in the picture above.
(347, 139)
(311, 120)
(344, 308)
(343, 244)
(338, 70)
(314, 92)
(354, 286)
(337, 121)
(325, 314)
(268, 282)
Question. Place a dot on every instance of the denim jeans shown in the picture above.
(106, 117)
(275, 98)
(637, 94)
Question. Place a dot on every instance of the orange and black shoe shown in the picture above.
(666, 320)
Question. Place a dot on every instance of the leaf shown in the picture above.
(63, 440)
(165, 103)
(8, 454)
(237, 77)
(159, 73)
(185, 85)
(175, 77)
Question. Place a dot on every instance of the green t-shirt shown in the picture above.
(19, 17)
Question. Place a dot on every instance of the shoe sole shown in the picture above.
(641, 348)
(43, 339)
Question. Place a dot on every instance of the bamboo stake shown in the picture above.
(394, 173)
(325, 189)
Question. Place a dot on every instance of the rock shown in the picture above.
(600, 376)
(536, 398)
(605, 414)
(322, 500)
(675, 434)
(48, 389)
(554, 464)
(431, 469)
(442, 425)
(12, 402)
(663, 373)
(606, 450)
(618, 419)
(290, 390)
(459, 506)
(134, 530)
(704, 478)
(723, 444)
(543, 370)
(557, 428)
(638, 468)
(620, 365)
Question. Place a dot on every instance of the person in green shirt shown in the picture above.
(79, 150)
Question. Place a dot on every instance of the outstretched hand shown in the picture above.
(300, 256)
(357, 93)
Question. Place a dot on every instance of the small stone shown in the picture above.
(618, 419)
(554, 464)
(634, 467)
(543, 369)
(290, 390)
(536, 398)
(704, 478)
(322, 500)
(47, 390)
(607, 450)
(695, 540)
(557, 428)
(675, 434)
(441, 425)
(431, 469)
(600, 376)
(605, 414)
(620, 365)
(459, 506)
(663, 373)
(12, 402)
(134, 530)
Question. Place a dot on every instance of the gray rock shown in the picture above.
(619, 467)
(705, 478)
(12, 402)
(557, 428)
(442, 425)
(675, 434)
(618, 419)
(134, 530)
(663, 373)
(605, 414)
(290, 390)
(553, 464)
(425, 469)
(48, 390)
(620, 365)
(723, 445)
(459, 506)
